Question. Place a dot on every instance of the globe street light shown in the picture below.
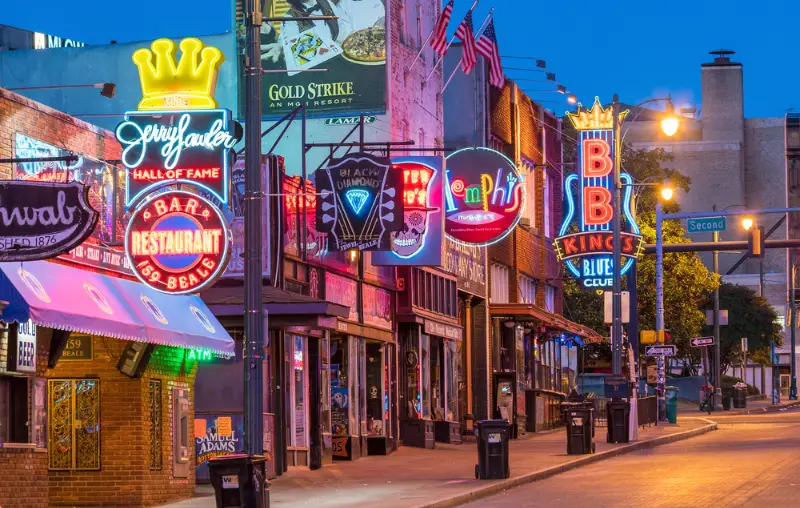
(670, 123)
(747, 223)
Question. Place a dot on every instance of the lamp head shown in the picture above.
(747, 223)
(670, 122)
(667, 193)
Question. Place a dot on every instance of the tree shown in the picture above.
(749, 316)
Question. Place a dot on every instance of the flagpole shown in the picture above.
(421, 49)
(477, 35)
(435, 65)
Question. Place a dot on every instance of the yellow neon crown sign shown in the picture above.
(189, 84)
(595, 118)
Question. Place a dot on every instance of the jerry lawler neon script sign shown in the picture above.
(484, 196)
(177, 242)
(585, 241)
(179, 135)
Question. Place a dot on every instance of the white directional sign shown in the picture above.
(660, 350)
(702, 341)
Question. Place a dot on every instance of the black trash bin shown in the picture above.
(740, 396)
(619, 412)
(493, 436)
(727, 400)
(580, 429)
(239, 481)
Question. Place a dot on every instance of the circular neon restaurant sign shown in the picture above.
(177, 242)
(484, 196)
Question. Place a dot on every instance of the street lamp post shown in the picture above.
(793, 325)
(669, 125)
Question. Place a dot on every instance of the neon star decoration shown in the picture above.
(585, 241)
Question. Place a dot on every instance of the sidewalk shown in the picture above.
(412, 477)
(753, 406)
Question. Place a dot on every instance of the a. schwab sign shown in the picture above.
(41, 220)
(351, 49)
(585, 241)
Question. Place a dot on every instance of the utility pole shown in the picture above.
(793, 325)
(661, 379)
(616, 300)
(717, 345)
(253, 307)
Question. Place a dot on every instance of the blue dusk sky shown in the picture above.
(638, 49)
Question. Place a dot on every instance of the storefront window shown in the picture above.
(413, 378)
(296, 346)
(340, 381)
(452, 372)
(360, 392)
(425, 362)
(437, 377)
(325, 360)
(375, 389)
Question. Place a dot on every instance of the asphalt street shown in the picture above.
(751, 460)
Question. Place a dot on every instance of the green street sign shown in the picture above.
(706, 224)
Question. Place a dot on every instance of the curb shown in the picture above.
(500, 486)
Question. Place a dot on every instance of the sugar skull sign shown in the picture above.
(420, 241)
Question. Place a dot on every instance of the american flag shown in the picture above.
(464, 33)
(487, 46)
(439, 40)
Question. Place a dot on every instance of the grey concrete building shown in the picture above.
(733, 162)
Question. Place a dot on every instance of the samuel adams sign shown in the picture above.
(42, 220)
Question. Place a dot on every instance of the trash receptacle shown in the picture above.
(239, 481)
(672, 404)
(493, 436)
(740, 396)
(618, 412)
(580, 429)
(727, 400)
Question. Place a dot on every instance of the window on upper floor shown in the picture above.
(410, 32)
(529, 212)
(527, 290)
(550, 298)
(547, 185)
(499, 283)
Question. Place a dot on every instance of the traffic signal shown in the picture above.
(647, 337)
(755, 244)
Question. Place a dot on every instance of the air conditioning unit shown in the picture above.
(133, 361)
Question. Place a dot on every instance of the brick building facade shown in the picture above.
(79, 432)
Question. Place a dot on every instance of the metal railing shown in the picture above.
(648, 411)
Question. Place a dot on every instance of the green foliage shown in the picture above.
(749, 316)
(584, 307)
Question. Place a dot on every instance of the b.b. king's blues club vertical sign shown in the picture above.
(585, 243)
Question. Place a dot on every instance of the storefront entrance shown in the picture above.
(360, 373)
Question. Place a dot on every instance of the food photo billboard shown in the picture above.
(351, 49)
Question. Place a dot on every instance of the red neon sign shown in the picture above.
(177, 242)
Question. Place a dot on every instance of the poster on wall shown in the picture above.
(349, 53)
(484, 196)
(215, 436)
(420, 242)
(106, 184)
(585, 240)
(360, 202)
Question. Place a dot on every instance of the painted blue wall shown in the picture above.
(109, 63)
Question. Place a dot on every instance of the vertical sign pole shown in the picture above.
(253, 320)
(616, 301)
(662, 414)
(717, 345)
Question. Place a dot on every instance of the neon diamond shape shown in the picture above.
(357, 199)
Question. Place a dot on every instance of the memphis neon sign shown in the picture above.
(177, 242)
(585, 241)
(484, 196)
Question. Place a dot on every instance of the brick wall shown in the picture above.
(416, 111)
(24, 479)
(19, 114)
(125, 478)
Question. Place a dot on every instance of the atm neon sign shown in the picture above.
(585, 241)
